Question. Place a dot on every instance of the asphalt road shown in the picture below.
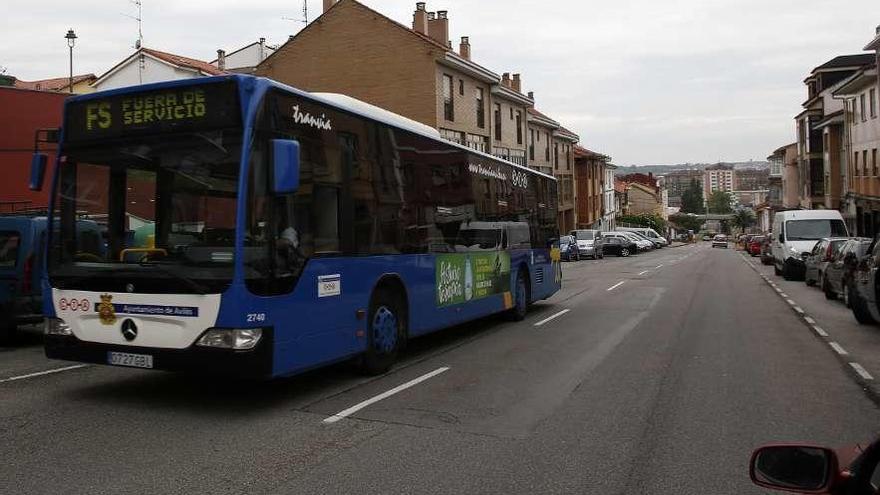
(662, 384)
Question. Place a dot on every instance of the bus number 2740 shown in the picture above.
(256, 317)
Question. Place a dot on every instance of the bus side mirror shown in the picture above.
(285, 165)
(38, 171)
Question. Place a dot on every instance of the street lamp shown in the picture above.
(71, 40)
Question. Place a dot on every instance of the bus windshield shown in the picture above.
(162, 201)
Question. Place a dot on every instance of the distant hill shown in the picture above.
(665, 169)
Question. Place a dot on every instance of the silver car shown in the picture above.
(821, 255)
(589, 242)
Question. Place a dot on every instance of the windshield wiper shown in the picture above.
(199, 288)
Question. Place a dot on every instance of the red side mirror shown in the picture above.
(795, 468)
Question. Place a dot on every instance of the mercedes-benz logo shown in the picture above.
(129, 330)
(129, 288)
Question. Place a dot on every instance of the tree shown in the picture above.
(647, 220)
(687, 222)
(743, 219)
(692, 198)
(719, 203)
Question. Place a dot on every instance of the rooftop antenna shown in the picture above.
(139, 42)
(140, 20)
(305, 17)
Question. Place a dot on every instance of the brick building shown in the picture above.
(413, 71)
(752, 179)
(23, 112)
(590, 186)
(677, 183)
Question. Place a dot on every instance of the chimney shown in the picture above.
(516, 84)
(438, 27)
(465, 48)
(328, 4)
(420, 19)
(532, 95)
(221, 59)
(262, 49)
(505, 79)
(877, 31)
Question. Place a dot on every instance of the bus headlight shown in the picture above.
(240, 339)
(56, 326)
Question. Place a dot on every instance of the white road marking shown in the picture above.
(783, 294)
(644, 272)
(838, 349)
(658, 267)
(861, 371)
(357, 407)
(41, 373)
(818, 329)
(789, 301)
(553, 317)
(798, 310)
(809, 320)
(618, 284)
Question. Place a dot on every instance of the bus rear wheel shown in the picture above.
(520, 298)
(386, 329)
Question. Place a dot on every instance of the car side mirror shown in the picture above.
(38, 171)
(285, 165)
(794, 468)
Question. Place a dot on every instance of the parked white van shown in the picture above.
(651, 234)
(796, 232)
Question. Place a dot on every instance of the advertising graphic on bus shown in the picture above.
(251, 228)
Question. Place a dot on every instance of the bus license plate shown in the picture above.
(130, 360)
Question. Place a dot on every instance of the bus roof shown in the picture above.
(341, 102)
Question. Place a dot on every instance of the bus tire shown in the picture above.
(520, 297)
(386, 331)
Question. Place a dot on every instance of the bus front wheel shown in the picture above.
(386, 329)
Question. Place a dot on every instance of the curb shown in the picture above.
(852, 368)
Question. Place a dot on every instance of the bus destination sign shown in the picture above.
(187, 108)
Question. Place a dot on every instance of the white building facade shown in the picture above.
(148, 66)
(610, 205)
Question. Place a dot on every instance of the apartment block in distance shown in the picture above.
(413, 71)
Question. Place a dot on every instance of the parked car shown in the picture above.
(863, 299)
(796, 232)
(707, 237)
(619, 245)
(589, 242)
(568, 249)
(719, 240)
(754, 245)
(655, 243)
(766, 250)
(22, 238)
(642, 243)
(648, 233)
(820, 257)
(838, 278)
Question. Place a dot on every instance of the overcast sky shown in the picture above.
(645, 81)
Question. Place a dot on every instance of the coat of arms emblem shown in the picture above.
(106, 311)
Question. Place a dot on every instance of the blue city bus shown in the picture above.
(257, 230)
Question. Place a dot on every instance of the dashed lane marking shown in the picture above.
(819, 331)
(400, 388)
(838, 349)
(552, 317)
(861, 371)
(42, 373)
(618, 284)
